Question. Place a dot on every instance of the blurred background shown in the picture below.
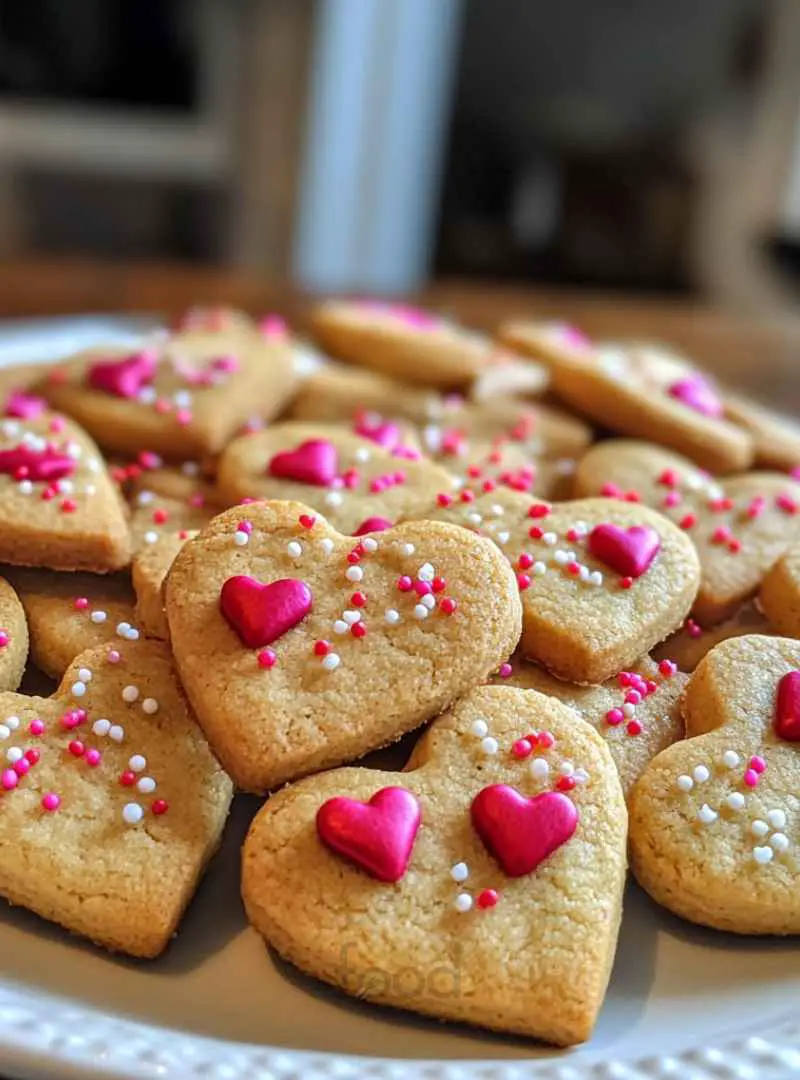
(354, 145)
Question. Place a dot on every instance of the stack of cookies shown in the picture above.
(249, 565)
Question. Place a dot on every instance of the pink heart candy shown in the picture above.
(377, 836)
(25, 463)
(787, 712)
(24, 406)
(313, 462)
(123, 378)
(520, 832)
(698, 394)
(384, 432)
(628, 551)
(373, 524)
(261, 613)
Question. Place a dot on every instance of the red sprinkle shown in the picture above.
(566, 783)
(306, 520)
(405, 584)
(688, 521)
(539, 510)
(81, 604)
(625, 583)
(358, 630)
(634, 727)
(667, 668)
(128, 778)
(523, 581)
(546, 739)
(443, 499)
(614, 717)
(525, 561)
(536, 532)
(439, 584)
(160, 806)
(267, 658)
(32, 756)
(487, 898)
(521, 748)
(358, 599)
(447, 606)
(322, 648)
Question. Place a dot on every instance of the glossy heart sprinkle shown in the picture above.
(698, 394)
(384, 433)
(628, 551)
(25, 463)
(259, 613)
(24, 406)
(519, 832)
(123, 378)
(787, 713)
(373, 524)
(377, 836)
(313, 462)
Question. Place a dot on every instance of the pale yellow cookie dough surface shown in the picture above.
(688, 645)
(261, 385)
(537, 964)
(269, 726)
(155, 516)
(776, 438)
(243, 473)
(123, 885)
(658, 715)
(83, 527)
(14, 627)
(148, 572)
(732, 571)
(58, 629)
(336, 394)
(708, 871)
(580, 631)
(779, 597)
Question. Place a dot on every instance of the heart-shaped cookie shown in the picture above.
(347, 478)
(70, 613)
(180, 395)
(155, 516)
(776, 438)
(402, 342)
(60, 508)
(688, 645)
(586, 616)
(13, 637)
(644, 391)
(739, 525)
(111, 803)
(400, 624)
(779, 596)
(148, 572)
(339, 394)
(637, 712)
(528, 951)
(715, 819)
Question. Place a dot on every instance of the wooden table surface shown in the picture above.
(763, 358)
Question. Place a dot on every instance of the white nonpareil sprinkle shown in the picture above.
(332, 498)
(779, 841)
(14, 754)
(5, 732)
(370, 544)
(628, 709)
(98, 617)
(700, 774)
(479, 728)
(391, 616)
(583, 573)
(241, 538)
(327, 545)
(362, 454)
(132, 813)
(706, 814)
(489, 745)
(84, 674)
(351, 617)
(137, 763)
(354, 573)
(12, 723)
(340, 627)
(25, 487)
(474, 518)
(146, 785)
(101, 727)
(294, 549)
(130, 693)
(429, 601)
(736, 800)
(550, 539)
(116, 733)
(150, 706)
(420, 611)
(539, 568)
(123, 628)
(460, 872)
(566, 768)
(144, 498)
(684, 783)
(190, 468)
(331, 661)
(560, 557)
(777, 819)
(503, 537)
(580, 776)
(463, 903)
(132, 634)
(759, 828)
(730, 759)
(65, 487)
(595, 578)
(150, 537)
(763, 855)
(407, 549)
(182, 398)
(78, 689)
(539, 769)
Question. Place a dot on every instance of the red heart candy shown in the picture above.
(384, 433)
(123, 378)
(313, 462)
(377, 836)
(259, 613)
(24, 463)
(698, 394)
(628, 551)
(373, 524)
(787, 713)
(519, 832)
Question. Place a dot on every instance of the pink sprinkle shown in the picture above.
(611, 491)
(377, 485)
(443, 499)
(756, 507)
(163, 406)
(525, 561)
(693, 629)
(93, 757)
(273, 327)
(672, 498)
(267, 658)
(149, 460)
(4, 639)
(21, 767)
(225, 363)
(546, 739)
(405, 584)
(81, 604)
(758, 764)
(51, 801)
(447, 606)
(667, 668)
(36, 727)
(720, 535)
(523, 582)
(633, 697)
(521, 748)
(113, 656)
(247, 527)
(57, 424)
(650, 687)
(786, 503)
(614, 717)
(8, 780)
(505, 670)
(400, 477)
(751, 778)
(422, 588)
(184, 417)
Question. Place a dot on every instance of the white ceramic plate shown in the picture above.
(683, 1004)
